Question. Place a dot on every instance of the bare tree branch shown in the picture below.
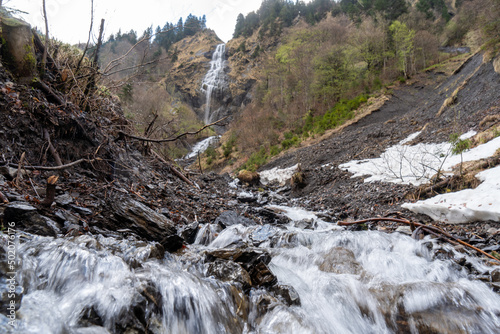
(90, 35)
(121, 133)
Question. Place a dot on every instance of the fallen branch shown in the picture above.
(19, 175)
(48, 91)
(121, 133)
(71, 164)
(429, 227)
(52, 149)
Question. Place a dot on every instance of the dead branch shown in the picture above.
(121, 134)
(19, 175)
(50, 192)
(90, 34)
(44, 56)
(48, 91)
(115, 62)
(71, 164)
(41, 48)
(429, 227)
(52, 149)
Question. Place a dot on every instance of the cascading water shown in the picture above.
(214, 79)
(348, 282)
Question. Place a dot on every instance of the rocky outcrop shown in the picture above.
(17, 47)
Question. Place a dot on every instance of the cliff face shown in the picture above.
(192, 57)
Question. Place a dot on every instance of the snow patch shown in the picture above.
(277, 174)
(418, 163)
(480, 204)
(410, 138)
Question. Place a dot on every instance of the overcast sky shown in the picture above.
(69, 20)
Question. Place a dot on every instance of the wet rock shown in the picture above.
(270, 217)
(27, 218)
(340, 261)
(146, 223)
(207, 234)
(288, 293)
(246, 197)
(261, 275)
(495, 276)
(189, 232)
(230, 271)
(230, 218)
(172, 243)
(262, 234)
(405, 230)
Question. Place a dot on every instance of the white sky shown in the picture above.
(69, 20)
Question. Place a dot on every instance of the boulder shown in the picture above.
(17, 48)
(27, 218)
(230, 218)
(248, 177)
(145, 222)
(230, 271)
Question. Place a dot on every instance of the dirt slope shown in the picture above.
(413, 106)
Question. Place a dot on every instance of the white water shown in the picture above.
(214, 79)
(348, 282)
(201, 146)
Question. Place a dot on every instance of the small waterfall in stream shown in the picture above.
(348, 282)
(214, 79)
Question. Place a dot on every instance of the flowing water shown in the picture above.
(348, 282)
(214, 79)
(201, 146)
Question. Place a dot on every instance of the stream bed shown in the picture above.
(324, 279)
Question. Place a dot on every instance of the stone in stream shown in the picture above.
(253, 260)
(288, 293)
(143, 221)
(230, 218)
(29, 220)
(230, 271)
(248, 177)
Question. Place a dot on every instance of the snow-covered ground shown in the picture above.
(481, 203)
(418, 163)
(277, 174)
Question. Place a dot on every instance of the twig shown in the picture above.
(121, 133)
(19, 167)
(52, 149)
(433, 228)
(90, 34)
(71, 164)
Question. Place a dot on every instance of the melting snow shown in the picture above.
(482, 203)
(418, 163)
(276, 174)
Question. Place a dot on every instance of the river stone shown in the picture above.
(495, 275)
(230, 218)
(230, 271)
(340, 261)
(288, 293)
(27, 218)
(143, 221)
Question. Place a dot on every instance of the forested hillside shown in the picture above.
(320, 61)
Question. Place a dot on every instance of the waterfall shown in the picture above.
(215, 78)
